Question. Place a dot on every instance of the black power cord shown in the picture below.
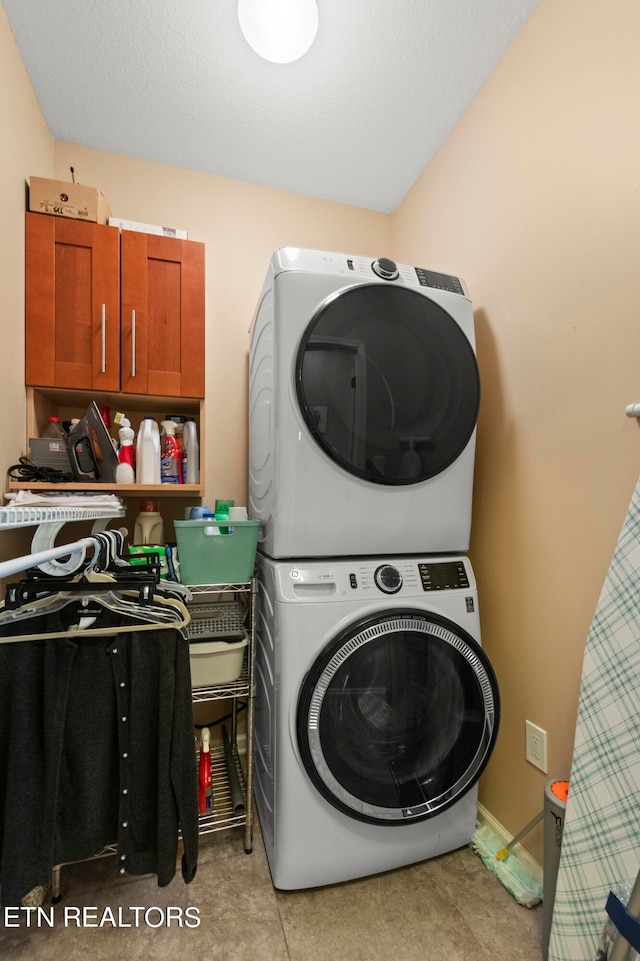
(27, 471)
(241, 707)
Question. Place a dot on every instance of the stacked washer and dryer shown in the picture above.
(376, 707)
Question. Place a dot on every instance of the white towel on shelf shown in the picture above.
(26, 498)
(601, 834)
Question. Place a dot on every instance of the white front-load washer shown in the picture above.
(376, 712)
(363, 400)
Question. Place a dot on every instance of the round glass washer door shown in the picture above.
(387, 384)
(398, 717)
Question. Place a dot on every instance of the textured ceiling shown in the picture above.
(355, 120)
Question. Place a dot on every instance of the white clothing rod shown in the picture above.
(77, 551)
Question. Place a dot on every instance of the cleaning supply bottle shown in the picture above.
(148, 528)
(204, 772)
(125, 473)
(171, 460)
(148, 452)
(190, 452)
(179, 428)
(54, 429)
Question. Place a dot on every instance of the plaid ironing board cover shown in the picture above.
(601, 834)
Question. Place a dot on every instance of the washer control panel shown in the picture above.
(388, 579)
(364, 577)
(445, 576)
(410, 577)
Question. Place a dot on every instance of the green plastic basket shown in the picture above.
(216, 552)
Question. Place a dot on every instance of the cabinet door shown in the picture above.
(72, 303)
(162, 315)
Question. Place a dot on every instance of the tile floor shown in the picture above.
(447, 909)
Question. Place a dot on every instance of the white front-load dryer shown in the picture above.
(376, 712)
(364, 395)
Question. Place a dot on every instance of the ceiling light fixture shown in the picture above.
(279, 30)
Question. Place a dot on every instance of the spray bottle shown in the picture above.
(125, 473)
(190, 453)
(204, 772)
(171, 459)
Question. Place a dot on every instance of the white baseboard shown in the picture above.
(486, 818)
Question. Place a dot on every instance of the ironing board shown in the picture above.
(601, 835)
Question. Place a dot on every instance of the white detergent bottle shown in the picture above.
(148, 452)
(149, 528)
(190, 452)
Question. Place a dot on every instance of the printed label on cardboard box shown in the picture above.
(63, 210)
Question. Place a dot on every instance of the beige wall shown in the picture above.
(534, 200)
(26, 147)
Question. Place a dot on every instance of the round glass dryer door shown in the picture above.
(398, 717)
(388, 384)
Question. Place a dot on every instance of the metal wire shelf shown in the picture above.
(219, 692)
(13, 517)
(198, 590)
(217, 619)
(222, 814)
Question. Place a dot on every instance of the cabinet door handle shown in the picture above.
(104, 338)
(133, 343)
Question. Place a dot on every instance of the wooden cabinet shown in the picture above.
(115, 317)
(162, 315)
(72, 304)
(113, 311)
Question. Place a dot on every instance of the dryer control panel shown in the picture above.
(389, 270)
(365, 269)
(431, 278)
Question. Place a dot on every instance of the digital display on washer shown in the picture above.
(444, 576)
(431, 278)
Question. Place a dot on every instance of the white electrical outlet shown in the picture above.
(536, 745)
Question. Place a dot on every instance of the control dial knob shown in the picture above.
(388, 579)
(385, 268)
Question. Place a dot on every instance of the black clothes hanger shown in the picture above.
(40, 588)
(97, 604)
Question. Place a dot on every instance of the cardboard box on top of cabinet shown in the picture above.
(64, 199)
